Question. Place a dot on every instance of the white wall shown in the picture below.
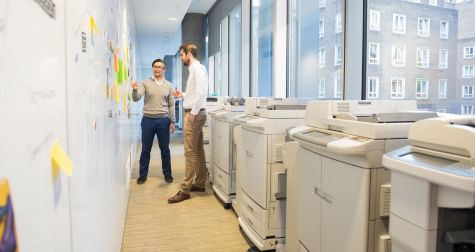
(53, 91)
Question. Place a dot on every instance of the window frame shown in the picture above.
(321, 28)
(395, 94)
(466, 75)
(444, 91)
(397, 29)
(372, 26)
(468, 56)
(373, 61)
(337, 87)
(423, 32)
(444, 65)
(321, 91)
(464, 108)
(338, 52)
(322, 60)
(375, 93)
(393, 60)
(339, 22)
(423, 63)
(422, 94)
(443, 35)
(468, 91)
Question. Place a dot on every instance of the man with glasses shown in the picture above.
(158, 118)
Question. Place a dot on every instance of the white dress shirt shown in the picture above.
(196, 88)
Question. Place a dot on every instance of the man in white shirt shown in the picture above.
(194, 101)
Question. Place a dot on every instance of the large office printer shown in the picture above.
(343, 191)
(262, 177)
(224, 150)
(433, 187)
(213, 104)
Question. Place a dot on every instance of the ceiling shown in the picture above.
(157, 23)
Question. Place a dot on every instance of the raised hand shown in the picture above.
(177, 93)
(134, 85)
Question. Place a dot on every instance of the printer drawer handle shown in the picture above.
(250, 154)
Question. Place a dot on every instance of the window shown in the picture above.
(468, 52)
(399, 23)
(374, 17)
(422, 88)
(373, 53)
(337, 86)
(261, 48)
(321, 28)
(423, 27)
(468, 72)
(398, 53)
(373, 87)
(322, 3)
(397, 88)
(444, 29)
(467, 91)
(321, 57)
(235, 86)
(321, 88)
(433, 2)
(443, 58)
(466, 110)
(442, 92)
(338, 22)
(338, 53)
(441, 110)
(422, 59)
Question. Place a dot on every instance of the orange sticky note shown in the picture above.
(59, 158)
(117, 96)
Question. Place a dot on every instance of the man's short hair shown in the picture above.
(190, 48)
(159, 60)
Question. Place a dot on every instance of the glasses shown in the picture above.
(159, 67)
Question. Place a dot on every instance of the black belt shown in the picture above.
(189, 110)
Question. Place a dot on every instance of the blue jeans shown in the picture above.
(150, 128)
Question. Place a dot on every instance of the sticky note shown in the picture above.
(117, 96)
(93, 26)
(127, 54)
(125, 106)
(115, 61)
(59, 158)
(110, 92)
(120, 74)
(105, 91)
(125, 72)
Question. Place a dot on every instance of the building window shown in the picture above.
(443, 58)
(373, 53)
(468, 72)
(374, 17)
(338, 23)
(444, 29)
(442, 92)
(337, 93)
(399, 23)
(338, 53)
(397, 88)
(422, 57)
(422, 88)
(433, 2)
(373, 87)
(441, 110)
(466, 110)
(398, 57)
(321, 28)
(468, 52)
(321, 88)
(321, 57)
(423, 27)
(467, 91)
(322, 3)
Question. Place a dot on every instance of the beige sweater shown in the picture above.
(159, 102)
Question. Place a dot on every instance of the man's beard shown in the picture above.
(186, 62)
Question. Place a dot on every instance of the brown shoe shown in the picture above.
(197, 189)
(179, 197)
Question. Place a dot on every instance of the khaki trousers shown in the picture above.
(195, 161)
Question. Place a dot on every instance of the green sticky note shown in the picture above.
(120, 74)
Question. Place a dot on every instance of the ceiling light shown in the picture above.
(172, 19)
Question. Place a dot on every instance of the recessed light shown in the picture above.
(172, 19)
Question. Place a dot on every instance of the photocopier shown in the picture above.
(343, 190)
(433, 187)
(213, 104)
(261, 174)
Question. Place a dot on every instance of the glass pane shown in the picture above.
(425, 53)
(235, 52)
(262, 33)
(316, 49)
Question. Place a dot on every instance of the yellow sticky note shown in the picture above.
(59, 158)
(127, 54)
(125, 106)
(110, 92)
(104, 89)
(93, 26)
(117, 96)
